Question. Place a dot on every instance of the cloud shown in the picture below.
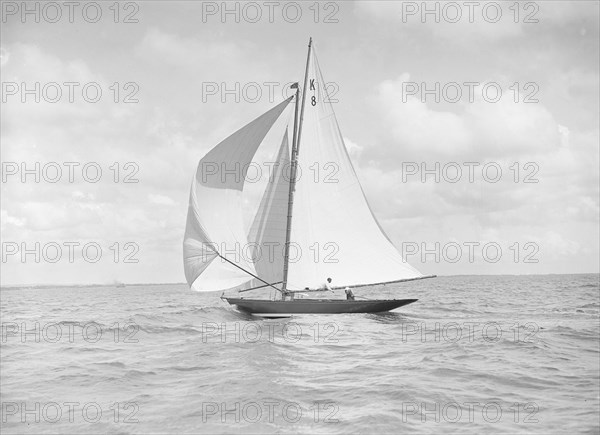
(453, 21)
(482, 22)
(482, 129)
(161, 199)
(4, 56)
(126, 142)
(548, 192)
(369, 53)
(10, 220)
(171, 50)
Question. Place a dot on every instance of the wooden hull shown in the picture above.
(265, 308)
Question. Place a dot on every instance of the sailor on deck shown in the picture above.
(349, 294)
(326, 286)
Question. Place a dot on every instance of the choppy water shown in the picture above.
(475, 354)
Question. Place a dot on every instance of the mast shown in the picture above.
(295, 148)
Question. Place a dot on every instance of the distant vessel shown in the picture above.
(298, 214)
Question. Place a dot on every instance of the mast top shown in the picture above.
(310, 41)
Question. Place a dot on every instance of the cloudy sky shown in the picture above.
(542, 132)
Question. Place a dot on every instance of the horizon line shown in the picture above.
(114, 284)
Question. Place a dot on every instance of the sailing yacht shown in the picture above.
(296, 213)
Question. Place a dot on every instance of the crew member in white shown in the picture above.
(326, 286)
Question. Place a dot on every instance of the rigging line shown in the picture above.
(385, 282)
(241, 268)
(262, 286)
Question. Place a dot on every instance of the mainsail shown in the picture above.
(214, 221)
(334, 232)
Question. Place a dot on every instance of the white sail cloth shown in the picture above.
(214, 225)
(268, 231)
(334, 232)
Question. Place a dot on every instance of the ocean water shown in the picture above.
(475, 354)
